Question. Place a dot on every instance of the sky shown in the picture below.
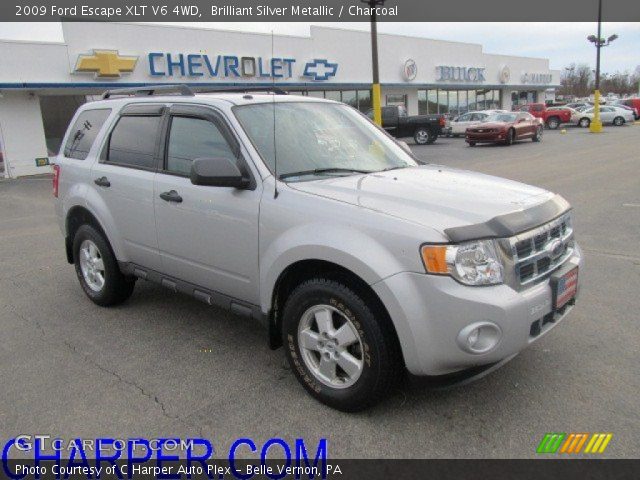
(561, 43)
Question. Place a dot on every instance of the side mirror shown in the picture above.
(405, 146)
(217, 172)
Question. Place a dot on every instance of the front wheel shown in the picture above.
(97, 268)
(553, 123)
(538, 135)
(511, 134)
(472, 144)
(424, 136)
(339, 345)
(584, 122)
(618, 121)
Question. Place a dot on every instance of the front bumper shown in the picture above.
(429, 312)
(485, 137)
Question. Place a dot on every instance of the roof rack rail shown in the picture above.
(241, 89)
(182, 90)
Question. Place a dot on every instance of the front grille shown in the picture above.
(537, 253)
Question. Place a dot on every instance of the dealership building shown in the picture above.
(42, 84)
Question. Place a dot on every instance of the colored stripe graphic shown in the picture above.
(574, 443)
(598, 443)
(551, 442)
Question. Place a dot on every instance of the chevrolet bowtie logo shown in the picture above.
(320, 69)
(106, 63)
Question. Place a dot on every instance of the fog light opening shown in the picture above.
(480, 337)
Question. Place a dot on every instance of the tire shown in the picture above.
(472, 144)
(97, 268)
(553, 123)
(618, 121)
(424, 136)
(538, 135)
(510, 137)
(584, 122)
(372, 360)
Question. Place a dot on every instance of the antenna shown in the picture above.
(275, 150)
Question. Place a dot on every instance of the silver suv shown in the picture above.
(301, 213)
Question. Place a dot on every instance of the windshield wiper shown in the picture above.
(320, 171)
(393, 168)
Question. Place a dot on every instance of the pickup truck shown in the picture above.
(423, 128)
(552, 117)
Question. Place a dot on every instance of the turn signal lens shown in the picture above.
(435, 258)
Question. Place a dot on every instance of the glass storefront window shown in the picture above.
(397, 99)
(463, 103)
(364, 100)
(453, 103)
(333, 95)
(443, 101)
(423, 107)
(350, 98)
(432, 99)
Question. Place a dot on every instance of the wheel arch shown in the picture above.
(301, 270)
(77, 216)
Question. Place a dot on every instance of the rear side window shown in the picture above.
(192, 138)
(84, 133)
(134, 141)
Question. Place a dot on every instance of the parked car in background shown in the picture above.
(608, 115)
(578, 105)
(423, 128)
(552, 118)
(505, 128)
(632, 103)
(459, 125)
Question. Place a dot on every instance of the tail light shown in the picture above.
(56, 180)
(443, 121)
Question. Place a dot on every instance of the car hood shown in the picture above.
(493, 125)
(434, 196)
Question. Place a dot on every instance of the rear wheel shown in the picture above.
(584, 122)
(97, 268)
(339, 345)
(424, 136)
(538, 135)
(553, 123)
(618, 121)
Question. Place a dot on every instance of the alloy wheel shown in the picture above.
(331, 346)
(92, 265)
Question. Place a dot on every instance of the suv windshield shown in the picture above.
(501, 117)
(318, 139)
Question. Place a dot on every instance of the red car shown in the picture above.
(505, 128)
(632, 103)
(552, 118)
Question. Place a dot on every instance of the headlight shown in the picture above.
(472, 263)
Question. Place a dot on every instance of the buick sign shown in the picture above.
(410, 70)
(460, 74)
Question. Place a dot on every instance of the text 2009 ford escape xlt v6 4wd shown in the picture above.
(359, 260)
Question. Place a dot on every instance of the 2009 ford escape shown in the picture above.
(303, 214)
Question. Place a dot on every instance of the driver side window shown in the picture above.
(191, 138)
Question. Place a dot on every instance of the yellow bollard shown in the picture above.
(563, 131)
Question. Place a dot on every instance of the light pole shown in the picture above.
(599, 42)
(375, 90)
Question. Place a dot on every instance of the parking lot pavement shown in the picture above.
(164, 364)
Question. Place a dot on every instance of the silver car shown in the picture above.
(302, 214)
